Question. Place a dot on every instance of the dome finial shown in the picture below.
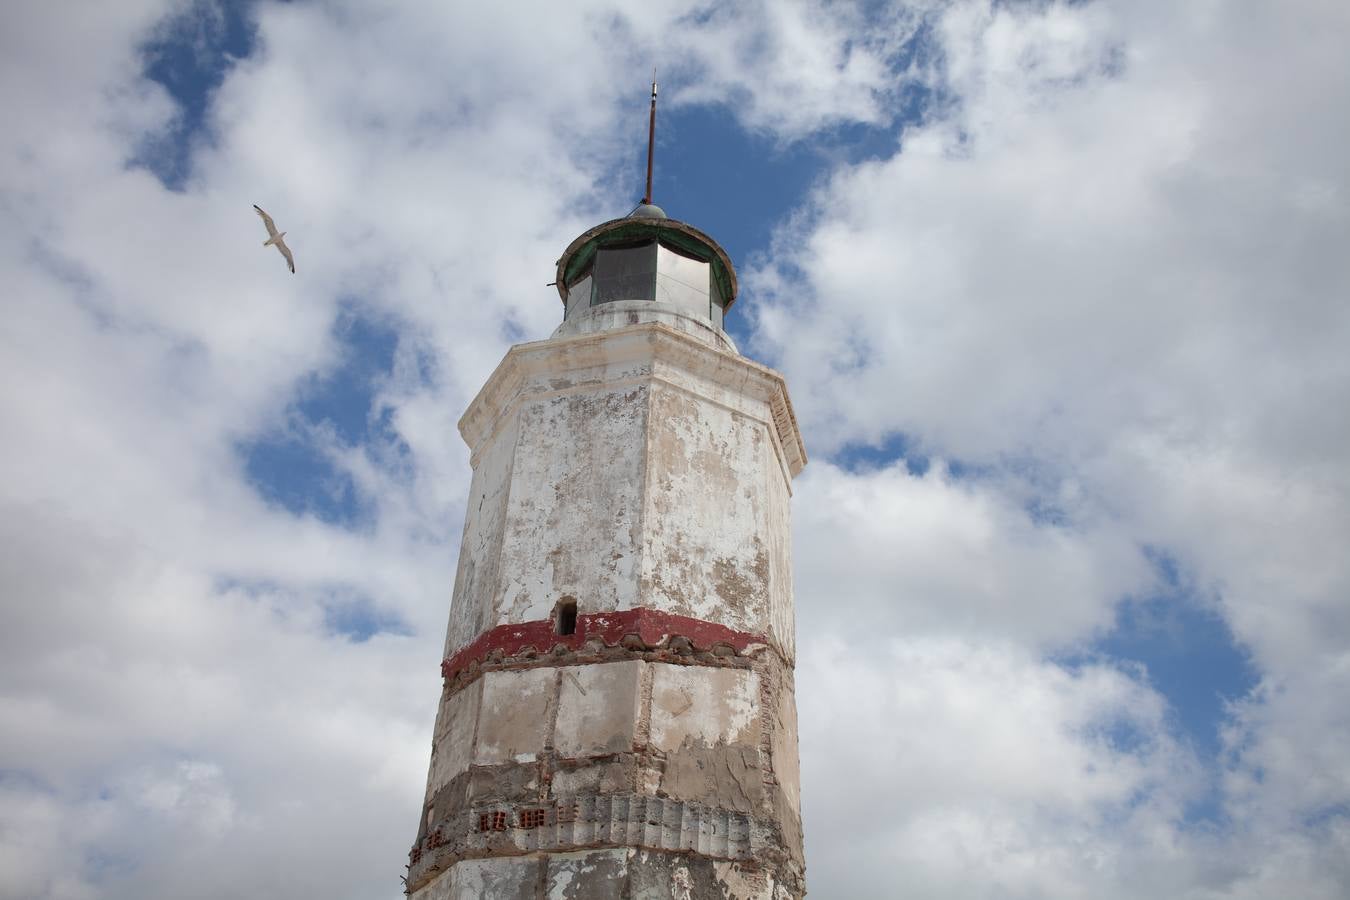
(651, 143)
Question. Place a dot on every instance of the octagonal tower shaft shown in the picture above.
(617, 718)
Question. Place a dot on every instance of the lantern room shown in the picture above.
(647, 257)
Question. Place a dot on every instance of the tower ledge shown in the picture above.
(672, 357)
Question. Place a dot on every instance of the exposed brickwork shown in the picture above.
(610, 820)
(495, 810)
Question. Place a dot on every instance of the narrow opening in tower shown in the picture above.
(565, 619)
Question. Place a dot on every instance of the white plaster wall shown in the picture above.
(589, 875)
(697, 706)
(478, 574)
(618, 874)
(778, 539)
(573, 515)
(452, 748)
(439, 889)
(737, 884)
(598, 708)
(786, 766)
(705, 546)
(608, 316)
(637, 467)
(513, 718)
(490, 879)
(631, 468)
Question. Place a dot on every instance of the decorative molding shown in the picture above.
(585, 822)
(644, 628)
(545, 362)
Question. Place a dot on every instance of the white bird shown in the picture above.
(275, 239)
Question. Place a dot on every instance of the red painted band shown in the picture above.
(652, 626)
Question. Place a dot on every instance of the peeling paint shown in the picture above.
(653, 627)
(726, 702)
(617, 716)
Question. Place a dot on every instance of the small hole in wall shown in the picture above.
(565, 616)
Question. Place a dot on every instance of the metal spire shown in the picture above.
(651, 142)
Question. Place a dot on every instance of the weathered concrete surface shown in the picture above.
(778, 546)
(453, 747)
(576, 496)
(596, 633)
(597, 875)
(623, 313)
(698, 718)
(783, 742)
(701, 707)
(734, 776)
(646, 470)
(598, 709)
(513, 718)
(640, 475)
(479, 570)
(696, 755)
(474, 879)
(614, 874)
(704, 553)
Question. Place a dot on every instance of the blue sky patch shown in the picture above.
(294, 465)
(1328, 816)
(860, 457)
(739, 185)
(1122, 736)
(1189, 655)
(24, 780)
(345, 396)
(358, 619)
(189, 55)
(346, 612)
(732, 183)
(293, 472)
(865, 456)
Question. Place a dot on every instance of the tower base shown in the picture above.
(615, 874)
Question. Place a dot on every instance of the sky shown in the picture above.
(1061, 291)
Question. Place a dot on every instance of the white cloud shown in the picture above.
(1109, 272)
(1003, 775)
(183, 718)
(792, 69)
(933, 555)
(1108, 276)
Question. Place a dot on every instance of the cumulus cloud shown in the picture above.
(206, 692)
(1104, 278)
(1004, 775)
(1097, 285)
(792, 69)
(935, 555)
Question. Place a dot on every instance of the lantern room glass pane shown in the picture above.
(682, 281)
(578, 295)
(625, 273)
(715, 307)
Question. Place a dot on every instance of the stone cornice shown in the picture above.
(598, 820)
(642, 630)
(648, 342)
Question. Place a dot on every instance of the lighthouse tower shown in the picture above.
(617, 715)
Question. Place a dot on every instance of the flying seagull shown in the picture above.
(275, 239)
